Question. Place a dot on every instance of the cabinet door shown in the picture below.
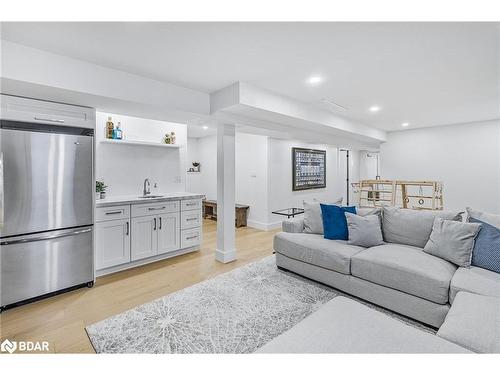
(112, 243)
(144, 237)
(168, 232)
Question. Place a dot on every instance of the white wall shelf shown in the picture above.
(139, 143)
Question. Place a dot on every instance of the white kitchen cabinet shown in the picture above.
(38, 111)
(112, 243)
(144, 237)
(168, 232)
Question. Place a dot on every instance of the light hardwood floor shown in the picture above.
(61, 320)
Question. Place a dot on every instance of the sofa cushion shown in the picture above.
(412, 227)
(474, 323)
(491, 219)
(475, 280)
(405, 268)
(453, 241)
(345, 326)
(316, 250)
(313, 220)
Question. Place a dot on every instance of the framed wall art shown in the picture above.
(308, 169)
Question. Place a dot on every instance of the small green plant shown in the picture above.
(100, 187)
(196, 164)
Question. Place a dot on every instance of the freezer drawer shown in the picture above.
(42, 263)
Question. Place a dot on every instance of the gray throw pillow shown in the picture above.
(491, 219)
(364, 230)
(313, 220)
(412, 227)
(452, 241)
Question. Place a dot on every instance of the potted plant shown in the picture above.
(100, 189)
(196, 166)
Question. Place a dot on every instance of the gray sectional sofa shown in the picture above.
(397, 275)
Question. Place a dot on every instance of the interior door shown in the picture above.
(168, 232)
(47, 181)
(144, 237)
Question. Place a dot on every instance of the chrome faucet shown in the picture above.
(147, 187)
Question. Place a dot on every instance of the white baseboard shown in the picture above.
(264, 226)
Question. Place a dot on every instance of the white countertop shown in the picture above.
(134, 199)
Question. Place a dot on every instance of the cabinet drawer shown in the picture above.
(39, 111)
(112, 213)
(190, 237)
(157, 208)
(190, 204)
(190, 219)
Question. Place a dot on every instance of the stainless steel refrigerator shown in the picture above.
(47, 183)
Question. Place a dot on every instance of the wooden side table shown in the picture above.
(210, 212)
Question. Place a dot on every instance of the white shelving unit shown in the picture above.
(139, 143)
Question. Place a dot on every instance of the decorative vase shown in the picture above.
(168, 139)
(102, 194)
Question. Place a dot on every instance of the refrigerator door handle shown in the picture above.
(49, 119)
(43, 238)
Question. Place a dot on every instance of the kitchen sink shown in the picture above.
(150, 196)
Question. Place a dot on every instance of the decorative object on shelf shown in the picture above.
(117, 132)
(196, 166)
(417, 195)
(308, 169)
(170, 138)
(109, 128)
(100, 189)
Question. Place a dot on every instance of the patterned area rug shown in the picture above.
(236, 312)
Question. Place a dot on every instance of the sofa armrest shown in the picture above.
(293, 225)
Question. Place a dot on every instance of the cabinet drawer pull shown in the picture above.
(191, 237)
(114, 212)
(191, 204)
(49, 119)
(192, 218)
(156, 208)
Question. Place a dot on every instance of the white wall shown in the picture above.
(124, 167)
(264, 175)
(465, 157)
(280, 193)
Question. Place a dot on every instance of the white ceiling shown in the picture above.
(423, 73)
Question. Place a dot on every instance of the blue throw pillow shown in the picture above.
(486, 253)
(334, 221)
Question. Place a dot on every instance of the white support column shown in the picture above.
(226, 250)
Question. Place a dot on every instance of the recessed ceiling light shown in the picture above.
(205, 127)
(374, 108)
(315, 80)
(405, 124)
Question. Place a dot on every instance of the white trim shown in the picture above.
(264, 226)
(141, 262)
(225, 256)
